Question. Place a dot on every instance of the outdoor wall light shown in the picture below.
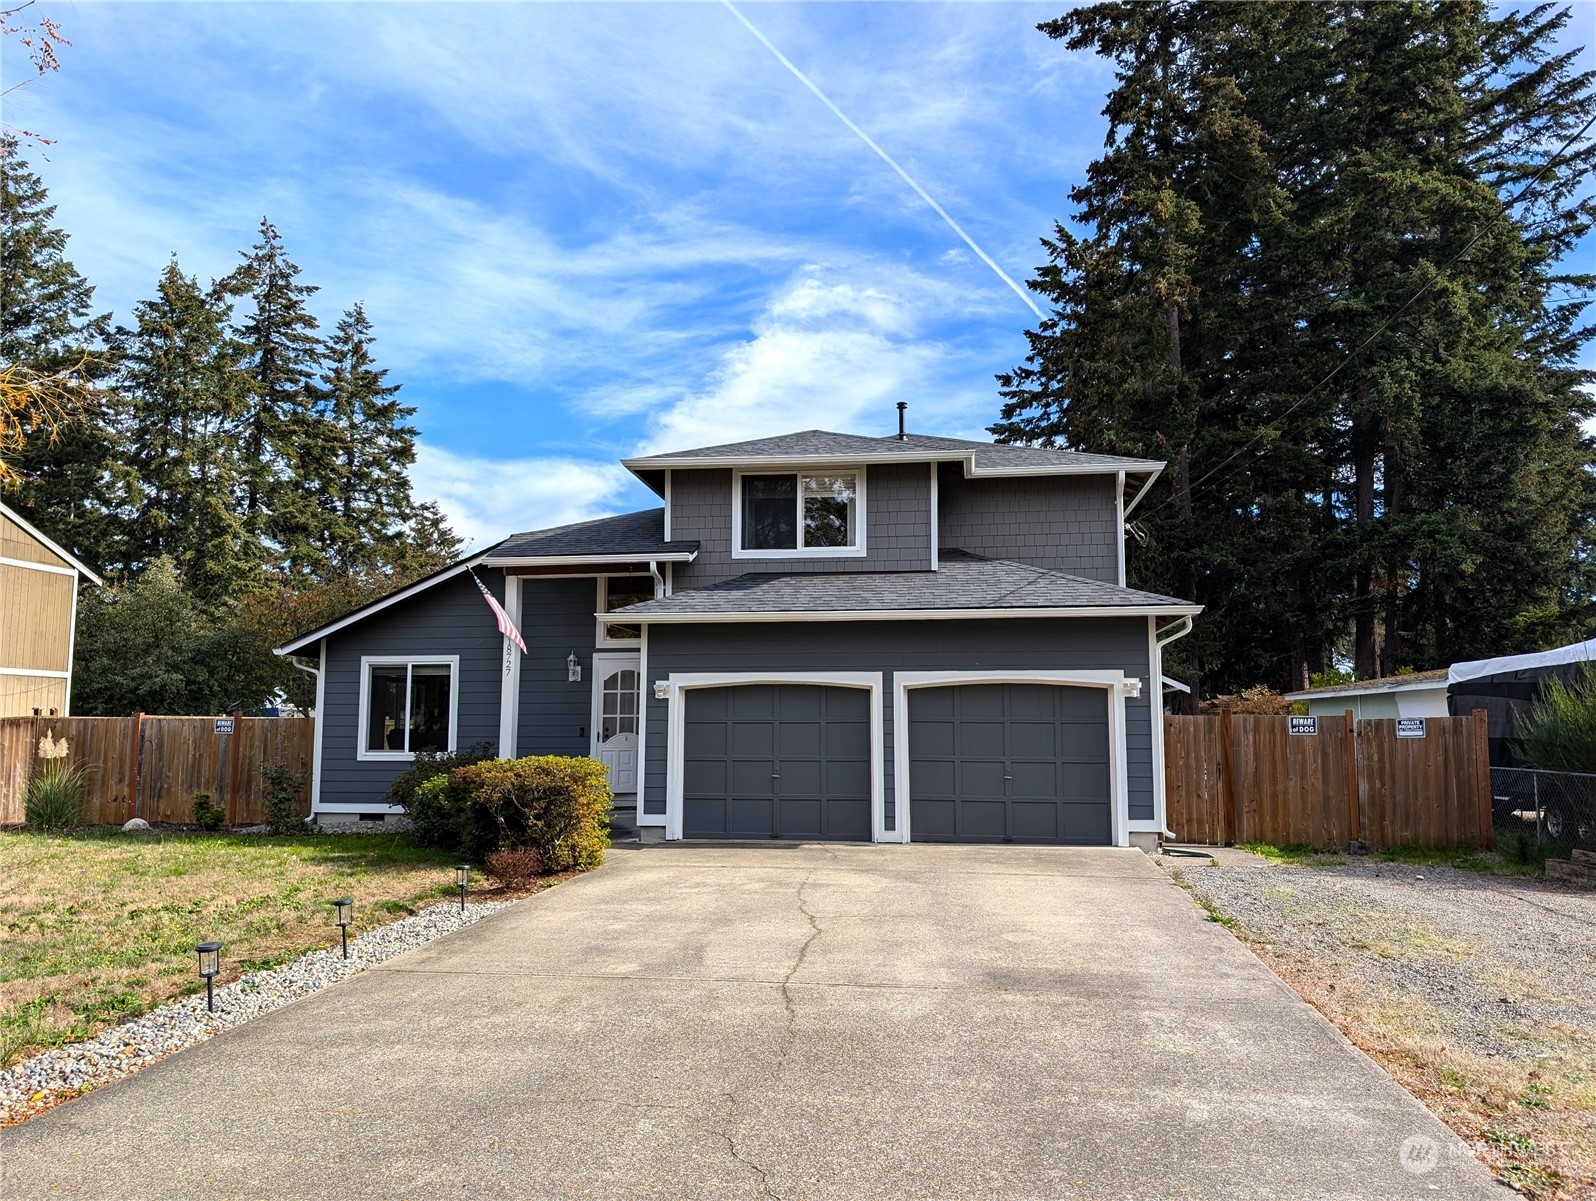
(662, 690)
(573, 668)
(462, 879)
(1133, 688)
(346, 914)
(210, 962)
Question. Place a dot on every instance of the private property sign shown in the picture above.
(1410, 727)
(1304, 725)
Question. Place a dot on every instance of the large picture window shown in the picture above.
(800, 513)
(407, 705)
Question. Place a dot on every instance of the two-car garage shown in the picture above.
(1011, 761)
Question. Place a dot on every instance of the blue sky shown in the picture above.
(584, 231)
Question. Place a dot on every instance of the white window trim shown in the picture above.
(600, 638)
(1113, 682)
(802, 552)
(679, 683)
(367, 662)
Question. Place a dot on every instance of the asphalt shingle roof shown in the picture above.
(636, 535)
(963, 581)
(814, 444)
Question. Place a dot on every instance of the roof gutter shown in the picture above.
(685, 556)
(1185, 612)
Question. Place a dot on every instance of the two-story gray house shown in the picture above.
(818, 636)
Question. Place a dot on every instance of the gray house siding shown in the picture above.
(897, 526)
(1063, 523)
(447, 619)
(1028, 644)
(556, 619)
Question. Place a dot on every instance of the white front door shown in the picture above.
(616, 693)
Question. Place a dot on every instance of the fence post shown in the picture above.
(1354, 818)
(1535, 783)
(133, 757)
(1228, 834)
(234, 741)
(1482, 767)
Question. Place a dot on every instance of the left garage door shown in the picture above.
(776, 761)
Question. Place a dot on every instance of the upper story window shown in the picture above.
(616, 592)
(799, 513)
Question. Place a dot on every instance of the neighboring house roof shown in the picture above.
(982, 458)
(965, 585)
(1404, 683)
(1577, 652)
(628, 538)
(631, 536)
(28, 528)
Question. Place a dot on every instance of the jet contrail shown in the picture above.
(885, 157)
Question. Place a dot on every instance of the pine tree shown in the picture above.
(377, 526)
(52, 436)
(289, 445)
(1304, 285)
(182, 398)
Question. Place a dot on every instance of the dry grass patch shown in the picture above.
(101, 926)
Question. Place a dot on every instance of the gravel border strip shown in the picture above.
(57, 1075)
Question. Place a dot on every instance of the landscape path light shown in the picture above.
(462, 878)
(346, 914)
(210, 961)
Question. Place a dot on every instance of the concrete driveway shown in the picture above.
(781, 1021)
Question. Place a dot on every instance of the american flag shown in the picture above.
(506, 626)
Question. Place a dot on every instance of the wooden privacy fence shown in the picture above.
(151, 767)
(1248, 778)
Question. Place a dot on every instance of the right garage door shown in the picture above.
(1009, 763)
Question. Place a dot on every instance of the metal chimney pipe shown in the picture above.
(903, 429)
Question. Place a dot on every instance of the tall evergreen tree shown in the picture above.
(182, 398)
(1303, 281)
(374, 524)
(53, 441)
(289, 445)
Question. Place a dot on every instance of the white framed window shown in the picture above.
(408, 704)
(616, 592)
(798, 514)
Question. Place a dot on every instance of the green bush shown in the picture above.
(1559, 732)
(429, 765)
(54, 800)
(208, 815)
(556, 805)
(280, 800)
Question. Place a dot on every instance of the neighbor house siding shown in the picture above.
(36, 610)
(1064, 523)
(1032, 644)
(448, 619)
(897, 526)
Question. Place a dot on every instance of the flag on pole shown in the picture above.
(506, 626)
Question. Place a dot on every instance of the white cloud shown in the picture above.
(488, 499)
(832, 355)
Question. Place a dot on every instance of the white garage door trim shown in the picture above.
(1113, 682)
(676, 731)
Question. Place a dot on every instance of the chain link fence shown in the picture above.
(1557, 809)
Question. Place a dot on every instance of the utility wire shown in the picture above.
(884, 156)
(1381, 328)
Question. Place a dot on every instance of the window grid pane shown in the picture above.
(829, 505)
(770, 512)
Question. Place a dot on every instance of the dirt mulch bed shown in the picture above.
(1476, 992)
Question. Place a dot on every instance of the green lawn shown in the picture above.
(101, 926)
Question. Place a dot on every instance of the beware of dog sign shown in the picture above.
(1304, 725)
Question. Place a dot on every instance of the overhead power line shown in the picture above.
(884, 156)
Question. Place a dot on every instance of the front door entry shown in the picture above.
(616, 694)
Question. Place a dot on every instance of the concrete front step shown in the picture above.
(1577, 871)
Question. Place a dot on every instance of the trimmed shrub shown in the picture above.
(429, 765)
(558, 806)
(514, 867)
(207, 815)
(54, 800)
(279, 800)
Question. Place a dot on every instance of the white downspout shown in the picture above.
(1174, 634)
